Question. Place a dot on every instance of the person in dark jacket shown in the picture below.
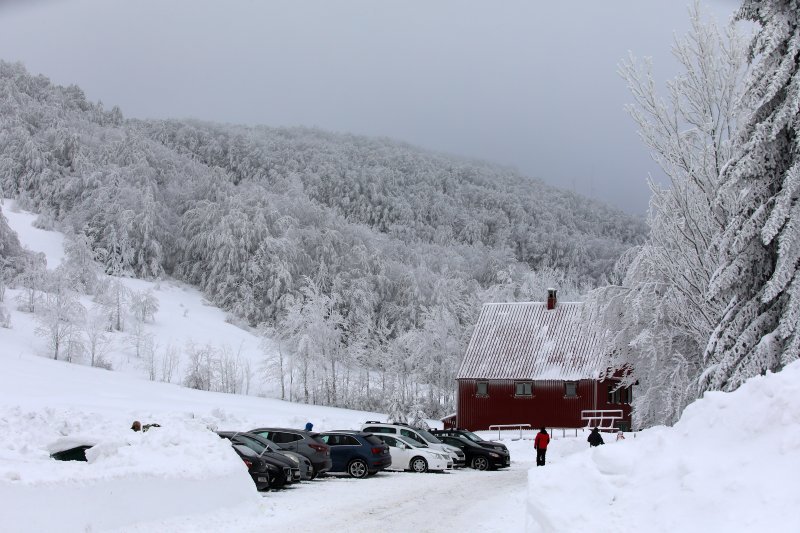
(540, 443)
(595, 438)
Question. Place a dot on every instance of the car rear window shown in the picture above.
(372, 439)
(253, 444)
(379, 430)
(244, 450)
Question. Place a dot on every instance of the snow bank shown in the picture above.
(180, 468)
(729, 464)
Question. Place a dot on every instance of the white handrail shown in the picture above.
(597, 417)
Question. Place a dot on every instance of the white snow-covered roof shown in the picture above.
(528, 341)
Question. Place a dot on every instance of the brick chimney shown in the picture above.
(551, 299)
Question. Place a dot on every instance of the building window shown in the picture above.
(570, 389)
(482, 389)
(620, 395)
(523, 389)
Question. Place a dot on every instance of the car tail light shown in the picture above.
(377, 451)
(248, 463)
(319, 447)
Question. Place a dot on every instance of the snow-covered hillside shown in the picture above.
(183, 319)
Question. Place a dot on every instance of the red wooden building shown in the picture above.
(533, 363)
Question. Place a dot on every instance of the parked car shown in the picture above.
(305, 443)
(358, 453)
(422, 436)
(298, 460)
(72, 448)
(478, 457)
(261, 471)
(492, 445)
(76, 453)
(408, 454)
(302, 462)
(289, 472)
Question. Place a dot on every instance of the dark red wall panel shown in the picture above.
(547, 407)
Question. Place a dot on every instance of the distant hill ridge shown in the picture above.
(413, 194)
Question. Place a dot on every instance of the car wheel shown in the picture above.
(357, 469)
(312, 473)
(480, 463)
(419, 464)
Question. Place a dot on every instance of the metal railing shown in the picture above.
(500, 427)
(604, 419)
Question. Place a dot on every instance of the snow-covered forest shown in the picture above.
(713, 296)
(364, 260)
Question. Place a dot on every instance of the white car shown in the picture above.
(407, 454)
(419, 435)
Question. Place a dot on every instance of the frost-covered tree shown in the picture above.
(79, 263)
(656, 317)
(418, 418)
(32, 280)
(143, 305)
(97, 340)
(397, 411)
(200, 369)
(758, 278)
(60, 314)
(113, 296)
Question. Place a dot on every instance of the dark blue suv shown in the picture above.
(358, 453)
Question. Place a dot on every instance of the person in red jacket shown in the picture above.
(540, 443)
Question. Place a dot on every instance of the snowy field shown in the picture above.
(729, 465)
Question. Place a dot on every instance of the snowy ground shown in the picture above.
(729, 465)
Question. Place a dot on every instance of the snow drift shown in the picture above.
(729, 464)
(180, 468)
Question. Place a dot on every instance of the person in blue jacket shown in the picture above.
(309, 425)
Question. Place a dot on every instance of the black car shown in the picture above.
(260, 470)
(300, 441)
(78, 453)
(490, 444)
(288, 473)
(478, 457)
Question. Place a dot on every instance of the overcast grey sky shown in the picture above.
(531, 85)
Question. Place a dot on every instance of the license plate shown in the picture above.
(262, 480)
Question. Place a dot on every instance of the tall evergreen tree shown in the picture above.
(760, 247)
